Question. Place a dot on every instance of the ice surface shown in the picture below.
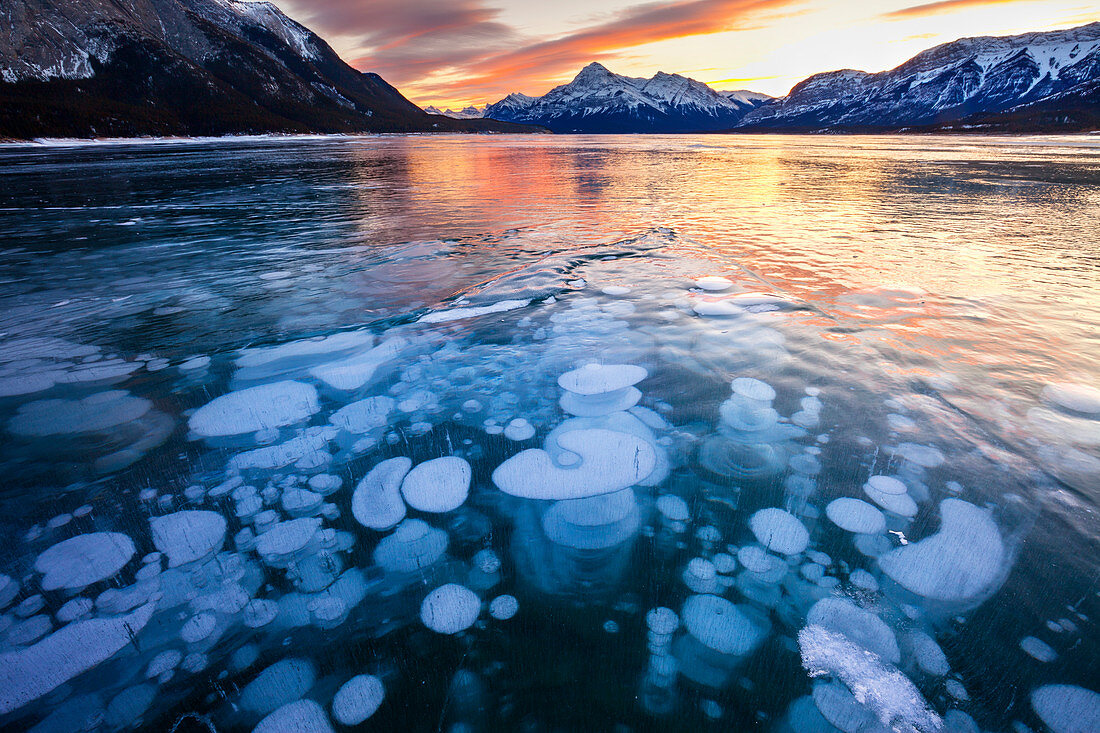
(358, 699)
(878, 686)
(450, 608)
(31, 672)
(437, 486)
(303, 716)
(264, 407)
(85, 559)
(188, 535)
(609, 461)
(779, 530)
(854, 515)
(1067, 708)
(961, 561)
(377, 502)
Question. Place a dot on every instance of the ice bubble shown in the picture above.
(752, 389)
(1058, 426)
(264, 363)
(838, 706)
(884, 491)
(701, 576)
(262, 407)
(880, 687)
(303, 716)
(411, 546)
(779, 531)
(127, 707)
(455, 314)
(722, 307)
(861, 627)
(961, 561)
(75, 609)
(29, 630)
(854, 515)
(863, 579)
(609, 461)
(365, 415)
(376, 502)
(593, 379)
(486, 561)
(311, 443)
(756, 559)
(519, 429)
(259, 612)
(358, 699)
(1080, 398)
(437, 486)
(166, 661)
(713, 283)
(720, 625)
(82, 560)
(198, 627)
(33, 671)
(301, 502)
(1038, 649)
(355, 371)
(195, 363)
(927, 652)
(325, 483)
(281, 683)
(450, 608)
(956, 690)
(673, 508)
(1067, 708)
(96, 413)
(286, 539)
(188, 536)
(599, 404)
(925, 456)
(503, 607)
(593, 523)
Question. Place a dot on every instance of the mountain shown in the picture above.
(598, 100)
(185, 67)
(1029, 82)
(466, 113)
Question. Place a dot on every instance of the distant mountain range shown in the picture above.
(598, 100)
(207, 67)
(83, 68)
(1030, 83)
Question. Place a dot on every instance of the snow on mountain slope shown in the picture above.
(598, 100)
(952, 81)
(466, 113)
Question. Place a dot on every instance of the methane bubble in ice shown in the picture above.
(961, 561)
(779, 531)
(188, 535)
(96, 413)
(854, 515)
(82, 560)
(720, 625)
(437, 486)
(263, 407)
(358, 699)
(413, 545)
(1038, 649)
(365, 415)
(861, 627)
(303, 716)
(600, 389)
(450, 608)
(1080, 398)
(377, 503)
(609, 461)
(1067, 708)
(713, 282)
(503, 607)
(281, 683)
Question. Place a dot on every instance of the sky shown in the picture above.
(453, 53)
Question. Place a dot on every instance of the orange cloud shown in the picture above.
(943, 6)
(532, 65)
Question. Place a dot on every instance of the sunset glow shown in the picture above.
(476, 51)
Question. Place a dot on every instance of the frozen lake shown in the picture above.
(551, 433)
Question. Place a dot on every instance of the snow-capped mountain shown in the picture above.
(184, 67)
(466, 113)
(952, 84)
(598, 100)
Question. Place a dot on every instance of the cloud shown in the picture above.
(461, 49)
(943, 6)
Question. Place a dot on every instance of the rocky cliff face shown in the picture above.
(184, 67)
